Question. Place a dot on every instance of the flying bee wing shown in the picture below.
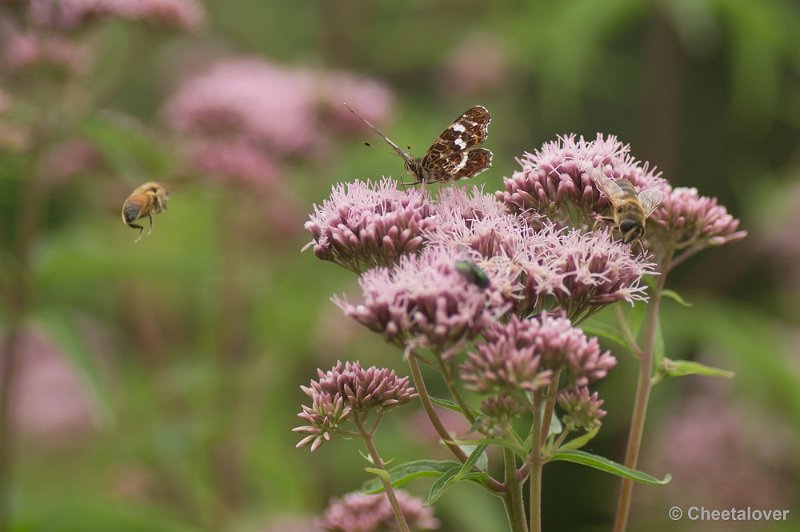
(612, 191)
(403, 155)
(650, 200)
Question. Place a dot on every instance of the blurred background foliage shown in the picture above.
(157, 383)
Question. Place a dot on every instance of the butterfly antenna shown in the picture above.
(406, 157)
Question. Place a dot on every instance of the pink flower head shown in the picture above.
(235, 162)
(423, 298)
(324, 417)
(522, 354)
(690, 220)
(25, 51)
(366, 224)
(358, 512)
(477, 220)
(460, 75)
(581, 410)
(363, 389)
(345, 391)
(555, 180)
(251, 99)
(581, 272)
(69, 14)
(499, 411)
(507, 359)
(372, 99)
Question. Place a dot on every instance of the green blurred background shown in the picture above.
(178, 360)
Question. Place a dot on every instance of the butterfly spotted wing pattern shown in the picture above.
(455, 154)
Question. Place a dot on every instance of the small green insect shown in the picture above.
(473, 273)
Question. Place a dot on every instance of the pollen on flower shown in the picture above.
(367, 224)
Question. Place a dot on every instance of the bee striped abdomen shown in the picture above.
(131, 211)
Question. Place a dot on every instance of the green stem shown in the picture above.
(427, 405)
(535, 509)
(643, 387)
(454, 393)
(515, 507)
(550, 405)
(387, 486)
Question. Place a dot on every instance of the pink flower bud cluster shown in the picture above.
(372, 513)
(687, 219)
(581, 409)
(344, 390)
(366, 224)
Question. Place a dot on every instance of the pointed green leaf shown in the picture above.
(580, 441)
(672, 294)
(555, 425)
(601, 329)
(450, 405)
(442, 485)
(378, 472)
(403, 473)
(508, 444)
(604, 464)
(476, 458)
(681, 368)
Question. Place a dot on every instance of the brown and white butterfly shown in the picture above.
(454, 155)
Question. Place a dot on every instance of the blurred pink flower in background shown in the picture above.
(359, 512)
(69, 14)
(26, 50)
(722, 454)
(235, 161)
(69, 159)
(50, 399)
(370, 98)
(477, 65)
(251, 99)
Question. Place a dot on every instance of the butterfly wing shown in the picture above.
(451, 156)
(650, 200)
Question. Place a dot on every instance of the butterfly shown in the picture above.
(454, 155)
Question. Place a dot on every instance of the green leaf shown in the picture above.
(404, 473)
(681, 368)
(580, 441)
(450, 405)
(442, 485)
(635, 318)
(477, 457)
(675, 296)
(555, 425)
(464, 444)
(604, 464)
(601, 329)
(382, 473)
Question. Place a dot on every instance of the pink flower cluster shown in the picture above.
(689, 219)
(581, 409)
(69, 14)
(555, 181)
(521, 355)
(366, 224)
(424, 299)
(344, 390)
(23, 51)
(267, 112)
(358, 512)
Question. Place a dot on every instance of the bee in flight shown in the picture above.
(629, 208)
(473, 273)
(454, 154)
(147, 200)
